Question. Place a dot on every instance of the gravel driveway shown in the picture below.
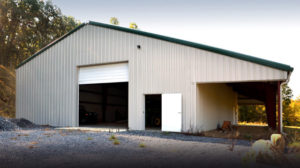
(73, 148)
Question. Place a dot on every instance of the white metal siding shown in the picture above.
(109, 73)
(47, 86)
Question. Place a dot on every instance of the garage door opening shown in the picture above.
(153, 110)
(104, 105)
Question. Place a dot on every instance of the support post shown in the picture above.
(104, 102)
(271, 106)
(279, 109)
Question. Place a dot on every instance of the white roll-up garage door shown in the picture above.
(109, 73)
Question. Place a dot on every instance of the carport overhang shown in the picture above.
(268, 93)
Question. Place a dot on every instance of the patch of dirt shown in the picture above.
(242, 132)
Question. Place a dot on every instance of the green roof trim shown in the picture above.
(199, 46)
(177, 41)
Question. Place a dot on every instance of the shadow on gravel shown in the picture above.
(183, 137)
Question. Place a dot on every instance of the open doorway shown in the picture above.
(153, 111)
(104, 105)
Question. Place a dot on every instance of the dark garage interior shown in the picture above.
(103, 104)
(260, 93)
(153, 111)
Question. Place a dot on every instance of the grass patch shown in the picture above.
(112, 137)
(89, 138)
(141, 145)
(295, 127)
(253, 123)
(165, 133)
(116, 142)
(293, 137)
(294, 145)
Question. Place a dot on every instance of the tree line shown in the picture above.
(290, 110)
(27, 26)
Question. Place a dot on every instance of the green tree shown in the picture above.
(133, 25)
(114, 21)
(287, 94)
(288, 113)
(252, 113)
(25, 27)
(28, 25)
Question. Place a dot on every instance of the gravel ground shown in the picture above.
(12, 124)
(7, 125)
(74, 148)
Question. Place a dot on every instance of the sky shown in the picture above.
(268, 29)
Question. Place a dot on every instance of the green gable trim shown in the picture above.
(173, 40)
(50, 45)
(199, 46)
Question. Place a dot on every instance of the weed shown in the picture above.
(112, 137)
(141, 145)
(165, 133)
(116, 142)
(248, 137)
(89, 138)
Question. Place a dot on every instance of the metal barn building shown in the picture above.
(107, 74)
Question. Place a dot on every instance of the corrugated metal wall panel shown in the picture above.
(220, 68)
(47, 86)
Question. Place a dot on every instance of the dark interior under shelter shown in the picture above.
(153, 111)
(104, 104)
(260, 93)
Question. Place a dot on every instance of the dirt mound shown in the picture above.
(6, 125)
(23, 123)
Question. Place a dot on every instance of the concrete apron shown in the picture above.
(94, 128)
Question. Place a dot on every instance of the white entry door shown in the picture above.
(171, 112)
(108, 73)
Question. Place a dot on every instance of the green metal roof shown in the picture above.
(173, 40)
